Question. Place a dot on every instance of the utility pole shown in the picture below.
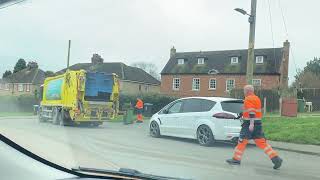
(68, 58)
(250, 61)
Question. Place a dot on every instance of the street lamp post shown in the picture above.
(252, 21)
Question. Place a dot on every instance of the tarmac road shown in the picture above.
(114, 145)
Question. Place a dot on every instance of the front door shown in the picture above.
(169, 120)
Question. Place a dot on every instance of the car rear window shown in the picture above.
(197, 105)
(232, 106)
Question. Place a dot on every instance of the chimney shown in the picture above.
(284, 68)
(172, 52)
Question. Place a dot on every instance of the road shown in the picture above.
(115, 145)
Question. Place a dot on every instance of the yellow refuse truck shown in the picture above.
(79, 97)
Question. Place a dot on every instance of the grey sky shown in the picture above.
(145, 30)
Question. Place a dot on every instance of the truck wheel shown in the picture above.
(55, 116)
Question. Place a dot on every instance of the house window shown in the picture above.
(256, 82)
(200, 60)
(28, 87)
(7, 87)
(212, 84)
(230, 84)
(259, 59)
(20, 87)
(180, 61)
(196, 84)
(176, 84)
(234, 60)
(146, 88)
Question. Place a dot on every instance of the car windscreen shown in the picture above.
(232, 106)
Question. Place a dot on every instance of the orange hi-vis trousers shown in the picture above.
(261, 143)
(139, 117)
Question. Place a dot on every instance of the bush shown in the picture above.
(22, 103)
(158, 101)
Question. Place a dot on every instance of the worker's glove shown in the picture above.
(251, 126)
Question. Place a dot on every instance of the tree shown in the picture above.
(96, 59)
(309, 77)
(149, 68)
(6, 74)
(49, 74)
(313, 66)
(21, 64)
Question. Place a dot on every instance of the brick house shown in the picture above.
(215, 73)
(133, 80)
(26, 81)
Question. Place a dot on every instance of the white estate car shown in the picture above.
(203, 118)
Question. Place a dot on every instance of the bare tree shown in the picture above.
(149, 68)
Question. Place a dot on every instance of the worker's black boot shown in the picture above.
(233, 161)
(277, 161)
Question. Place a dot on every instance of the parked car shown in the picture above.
(203, 118)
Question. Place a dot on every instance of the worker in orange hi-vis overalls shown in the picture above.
(252, 129)
(139, 108)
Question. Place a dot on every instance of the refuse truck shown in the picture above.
(79, 97)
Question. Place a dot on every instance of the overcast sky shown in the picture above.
(144, 30)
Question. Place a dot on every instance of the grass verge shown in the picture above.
(294, 130)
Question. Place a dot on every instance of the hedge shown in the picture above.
(158, 100)
(22, 103)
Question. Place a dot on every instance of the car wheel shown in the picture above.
(154, 129)
(205, 136)
(62, 118)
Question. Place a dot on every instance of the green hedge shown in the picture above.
(158, 101)
(22, 103)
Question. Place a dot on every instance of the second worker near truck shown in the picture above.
(139, 109)
(252, 129)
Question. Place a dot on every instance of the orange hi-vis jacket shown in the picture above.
(252, 105)
(139, 104)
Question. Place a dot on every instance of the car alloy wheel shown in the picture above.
(154, 129)
(205, 136)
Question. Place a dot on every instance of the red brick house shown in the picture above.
(215, 73)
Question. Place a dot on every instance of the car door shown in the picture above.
(194, 110)
(169, 119)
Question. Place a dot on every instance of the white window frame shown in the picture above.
(28, 87)
(234, 84)
(257, 80)
(175, 85)
(194, 85)
(215, 84)
(200, 60)
(20, 87)
(180, 61)
(259, 59)
(234, 60)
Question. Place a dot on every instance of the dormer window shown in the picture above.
(200, 60)
(180, 61)
(234, 60)
(259, 59)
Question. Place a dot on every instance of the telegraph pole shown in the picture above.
(250, 61)
(68, 58)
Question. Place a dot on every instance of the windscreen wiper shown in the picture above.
(124, 172)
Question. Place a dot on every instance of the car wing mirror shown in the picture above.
(165, 111)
